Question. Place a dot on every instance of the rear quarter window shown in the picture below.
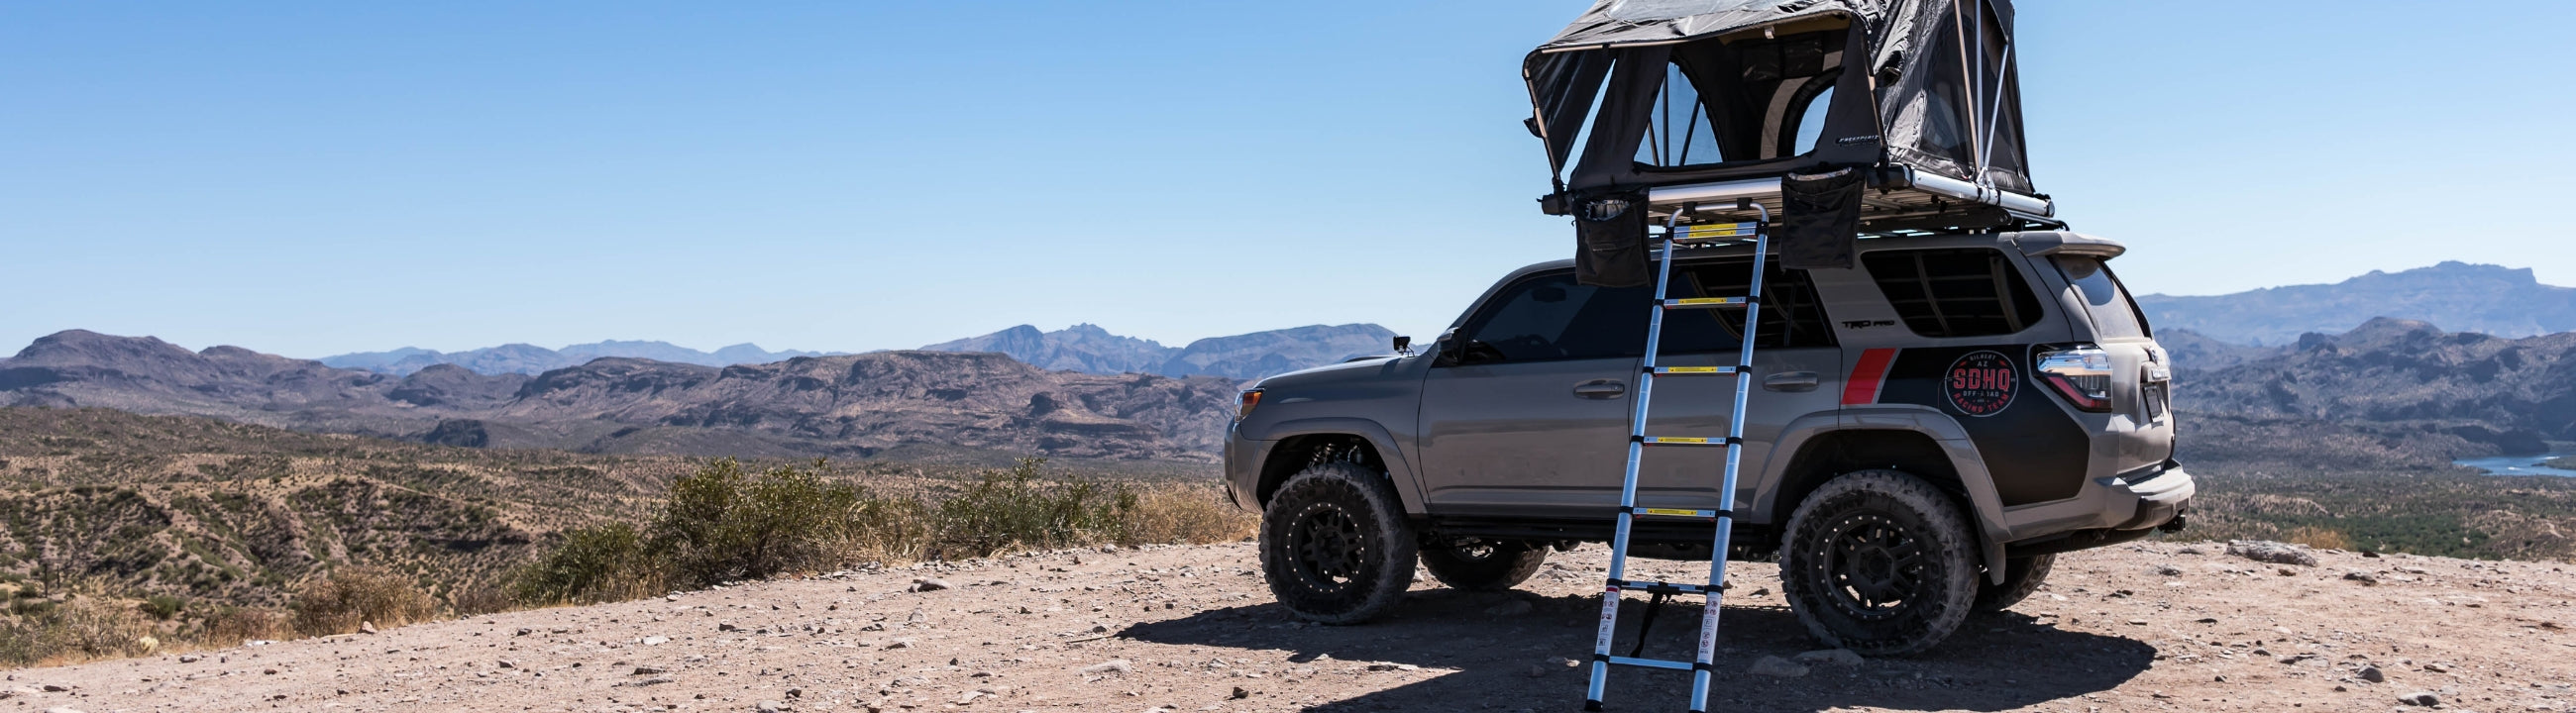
(2113, 313)
(1954, 292)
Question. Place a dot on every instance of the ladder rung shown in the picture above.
(1707, 302)
(1651, 663)
(1715, 231)
(1686, 441)
(1675, 587)
(1672, 512)
(1684, 370)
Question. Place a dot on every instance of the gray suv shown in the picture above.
(1932, 428)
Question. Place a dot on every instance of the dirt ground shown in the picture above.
(2143, 627)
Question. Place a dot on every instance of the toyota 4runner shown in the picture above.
(1931, 428)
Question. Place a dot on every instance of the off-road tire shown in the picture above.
(1879, 562)
(1488, 565)
(2022, 576)
(1334, 544)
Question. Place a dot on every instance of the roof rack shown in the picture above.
(1901, 201)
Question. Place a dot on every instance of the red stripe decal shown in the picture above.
(1871, 373)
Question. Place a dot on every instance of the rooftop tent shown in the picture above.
(1649, 95)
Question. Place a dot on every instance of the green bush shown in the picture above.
(603, 563)
(723, 524)
(1011, 508)
(163, 606)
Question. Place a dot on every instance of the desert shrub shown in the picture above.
(163, 606)
(1179, 514)
(602, 563)
(1009, 508)
(230, 626)
(723, 524)
(2320, 538)
(336, 604)
(90, 627)
(479, 598)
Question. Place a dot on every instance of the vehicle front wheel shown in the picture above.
(1486, 565)
(2022, 577)
(1879, 562)
(1334, 544)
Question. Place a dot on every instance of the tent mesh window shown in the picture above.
(1964, 292)
(1745, 99)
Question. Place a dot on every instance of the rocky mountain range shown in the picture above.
(2404, 380)
(1088, 348)
(2486, 299)
(532, 359)
(923, 405)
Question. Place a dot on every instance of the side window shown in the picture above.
(2114, 315)
(1552, 317)
(1964, 292)
(1792, 317)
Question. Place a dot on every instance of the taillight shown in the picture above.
(2081, 374)
(1251, 398)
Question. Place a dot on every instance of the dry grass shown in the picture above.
(337, 604)
(2319, 538)
(1186, 514)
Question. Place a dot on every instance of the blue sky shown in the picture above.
(315, 178)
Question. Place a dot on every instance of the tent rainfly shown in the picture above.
(1658, 103)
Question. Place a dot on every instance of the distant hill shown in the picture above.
(1090, 349)
(2407, 381)
(2486, 299)
(532, 359)
(923, 404)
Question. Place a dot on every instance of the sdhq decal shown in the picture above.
(1980, 383)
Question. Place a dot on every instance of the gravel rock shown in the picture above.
(929, 584)
(654, 681)
(62, 709)
(2420, 698)
(2272, 552)
(769, 706)
(1776, 666)
(2371, 674)
(899, 644)
(649, 670)
(1110, 666)
(656, 640)
(1831, 657)
(1240, 693)
(366, 627)
(2168, 570)
(2365, 578)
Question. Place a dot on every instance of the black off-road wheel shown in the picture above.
(1879, 562)
(1484, 565)
(1335, 546)
(2022, 577)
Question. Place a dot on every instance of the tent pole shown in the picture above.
(1995, 115)
(1959, 31)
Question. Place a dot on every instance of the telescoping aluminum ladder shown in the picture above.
(1715, 588)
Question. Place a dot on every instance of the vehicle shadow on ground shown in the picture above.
(1481, 651)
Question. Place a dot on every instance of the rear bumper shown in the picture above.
(2155, 500)
(2129, 502)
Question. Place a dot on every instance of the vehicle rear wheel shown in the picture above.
(1879, 562)
(2022, 576)
(1484, 565)
(1334, 544)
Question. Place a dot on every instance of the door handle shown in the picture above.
(1790, 381)
(1600, 389)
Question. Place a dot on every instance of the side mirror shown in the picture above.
(1450, 348)
(1404, 345)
